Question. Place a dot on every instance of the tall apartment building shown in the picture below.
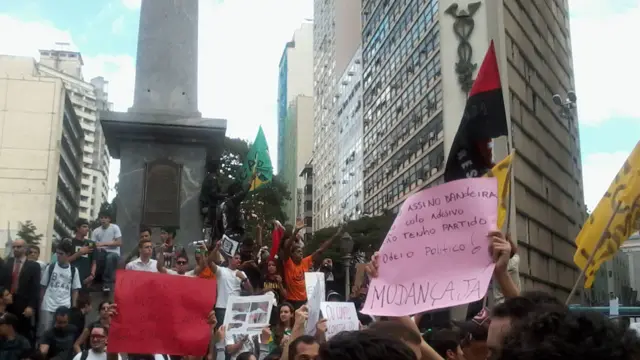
(295, 112)
(350, 154)
(306, 213)
(336, 38)
(419, 53)
(40, 151)
(88, 98)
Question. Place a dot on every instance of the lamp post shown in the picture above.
(567, 105)
(346, 248)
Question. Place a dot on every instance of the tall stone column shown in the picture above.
(162, 141)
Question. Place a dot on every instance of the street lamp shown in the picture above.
(567, 105)
(346, 248)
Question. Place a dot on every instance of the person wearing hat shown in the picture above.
(12, 344)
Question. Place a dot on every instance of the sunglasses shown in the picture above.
(181, 262)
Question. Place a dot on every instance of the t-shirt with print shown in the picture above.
(60, 342)
(228, 285)
(294, 278)
(59, 289)
(106, 235)
(83, 262)
(247, 346)
(273, 286)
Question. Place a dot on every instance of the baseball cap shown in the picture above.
(8, 319)
(478, 327)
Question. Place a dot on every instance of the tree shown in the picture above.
(28, 233)
(367, 234)
(261, 205)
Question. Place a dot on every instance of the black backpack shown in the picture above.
(73, 276)
(85, 355)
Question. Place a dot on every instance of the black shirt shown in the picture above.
(60, 342)
(14, 349)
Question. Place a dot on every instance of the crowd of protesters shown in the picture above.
(46, 312)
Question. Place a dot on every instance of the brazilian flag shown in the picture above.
(258, 162)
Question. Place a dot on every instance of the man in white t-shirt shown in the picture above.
(230, 281)
(144, 262)
(98, 341)
(60, 285)
(109, 238)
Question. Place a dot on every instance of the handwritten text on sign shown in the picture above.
(436, 252)
(341, 316)
(166, 321)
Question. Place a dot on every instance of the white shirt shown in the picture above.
(139, 265)
(107, 235)
(59, 289)
(173, 272)
(228, 285)
(95, 356)
(247, 346)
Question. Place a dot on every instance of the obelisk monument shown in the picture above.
(163, 141)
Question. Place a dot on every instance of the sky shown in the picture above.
(241, 42)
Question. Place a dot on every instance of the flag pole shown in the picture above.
(255, 170)
(603, 237)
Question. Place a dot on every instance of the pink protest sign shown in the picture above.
(436, 253)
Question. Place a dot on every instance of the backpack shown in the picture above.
(85, 355)
(73, 276)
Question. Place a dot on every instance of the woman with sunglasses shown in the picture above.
(104, 320)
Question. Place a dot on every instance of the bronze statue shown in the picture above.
(230, 218)
(210, 193)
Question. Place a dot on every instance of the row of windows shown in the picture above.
(398, 74)
(375, 31)
(426, 88)
(410, 29)
(426, 138)
(424, 169)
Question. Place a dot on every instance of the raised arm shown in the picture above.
(289, 240)
(327, 244)
(160, 259)
(213, 257)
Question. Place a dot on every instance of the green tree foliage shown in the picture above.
(262, 205)
(29, 233)
(367, 234)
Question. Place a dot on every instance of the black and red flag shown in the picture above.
(484, 119)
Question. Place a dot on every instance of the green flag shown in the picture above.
(258, 162)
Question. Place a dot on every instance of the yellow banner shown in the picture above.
(624, 195)
(502, 172)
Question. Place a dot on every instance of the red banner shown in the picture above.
(161, 314)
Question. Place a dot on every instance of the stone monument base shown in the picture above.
(162, 165)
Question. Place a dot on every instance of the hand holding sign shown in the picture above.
(436, 253)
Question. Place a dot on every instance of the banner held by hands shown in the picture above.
(436, 253)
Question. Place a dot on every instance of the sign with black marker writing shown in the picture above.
(341, 316)
(436, 253)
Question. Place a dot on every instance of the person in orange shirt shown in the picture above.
(295, 265)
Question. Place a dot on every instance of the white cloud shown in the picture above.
(598, 170)
(117, 26)
(239, 53)
(605, 59)
(132, 4)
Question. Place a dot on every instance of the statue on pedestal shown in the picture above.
(210, 194)
(230, 219)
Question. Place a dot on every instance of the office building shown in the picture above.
(298, 146)
(295, 112)
(349, 123)
(88, 98)
(41, 151)
(418, 53)
(631, 249)
(336, 38)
